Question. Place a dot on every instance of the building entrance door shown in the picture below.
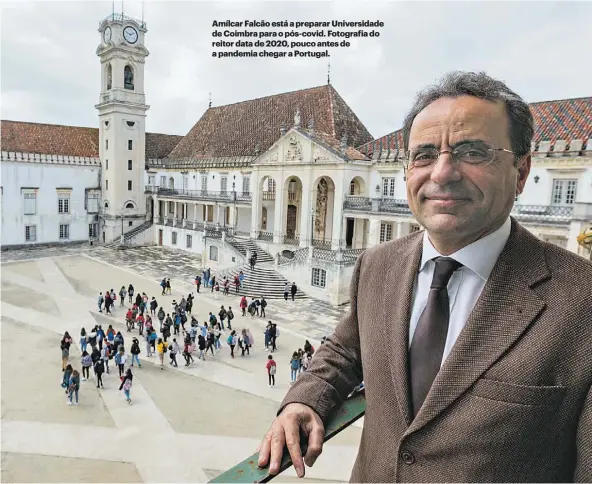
(349, 232)
(160, 237)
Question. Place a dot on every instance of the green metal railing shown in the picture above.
(248, 471)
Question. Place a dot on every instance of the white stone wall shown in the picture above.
(47, 178)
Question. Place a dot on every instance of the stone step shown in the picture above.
(263, 281)
(248, 245)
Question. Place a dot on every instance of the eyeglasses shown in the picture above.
(474, 153)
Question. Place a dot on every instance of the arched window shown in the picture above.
(171, 183)
(128, 77)
(106, 204)
(129, 205)
(109, 75)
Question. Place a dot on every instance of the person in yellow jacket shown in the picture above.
(161, 349)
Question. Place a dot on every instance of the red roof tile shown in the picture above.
(567, 119)
(237, 129)
(55, 139)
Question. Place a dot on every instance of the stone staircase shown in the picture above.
(243, 245)
(263, 281)
(129, 235)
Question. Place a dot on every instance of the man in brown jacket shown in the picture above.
(473, 337)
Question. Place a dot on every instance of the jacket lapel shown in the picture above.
(398, 290)
(505, 309)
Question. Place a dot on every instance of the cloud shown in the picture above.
(50, 72)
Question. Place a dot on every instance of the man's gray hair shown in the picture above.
(480, 85)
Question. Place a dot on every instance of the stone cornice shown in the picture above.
(16, 157)
(551, 162)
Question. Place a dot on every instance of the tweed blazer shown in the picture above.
(512, 402)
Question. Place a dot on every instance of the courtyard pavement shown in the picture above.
(184, 424)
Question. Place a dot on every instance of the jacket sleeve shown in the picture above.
(336, 367)
(583, 472)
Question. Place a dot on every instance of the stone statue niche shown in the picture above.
(294, 150)
(321, 209)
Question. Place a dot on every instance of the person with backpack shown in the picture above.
(189, 303)
(83, 340)
(73, 387)
(160, 315)
(126, 385)
(135, 351)
(99, 370)
(122, 294)
(271, 370)
(169, 290)
(243, 343)
(197, 283)
(100, 302)
(106, 355)
(226, 286)
(294, 367)
(232, 340)
(108, 303)
(100, 336)
(153, 306)
(130, 293)
(173, 353)
(120, 359)
(236, 283)
(187, 348)
(243, 305)
(263, 306)
(293, 290)
(65, 355)
(217, 335)
(230, 317)
(222, 315)
(201, 344)
(86, 362)
(163, 286)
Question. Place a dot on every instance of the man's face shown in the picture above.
(463, 202)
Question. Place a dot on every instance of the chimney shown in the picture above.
(282, 129)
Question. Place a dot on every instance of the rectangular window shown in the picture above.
(92, 230)
(246, 185)
(151, 180)
(352, 188)
(106, 164)
(106, 144)
(388, 187)
(189, 241)
(174, 238)
(163, 181)
(213, 252)
(129, 144)
(64, 231)
(564, 192)
(30, 202)
(130, 223)
(92, 203)
(386, 232)
(106, 184)
(414, 228)
(319, 277)
(204, 184)
(223, 183)
(210, 213)
(129, 184)
(30, 233)
(64, 204)
(129, 164)
(185, 182)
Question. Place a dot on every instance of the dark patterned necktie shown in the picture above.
(429, 339)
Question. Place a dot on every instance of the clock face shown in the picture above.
(107, 34)
(130, 34)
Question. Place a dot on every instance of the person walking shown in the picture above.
(65, 354)
(243, 305)
(232, 340)
(135, 351)
(161, 349)
(105, 355)
(197, 283)
(120, 359)
(169, 290)
(286, 291)
(294, 367)
(73, 387)
(126, 385)
(100, 302)
(86, 362)
(263, 303)
(83, 340)
(201, 344)
(222, 314)
(122, 294)
(293, 290)
(153, 306)
(271, 367)
(173, 351)
(229, 317)
(130, 293)
(187, 348)
(108, 303)
(66, 377)
(236, 283)
(99, 369)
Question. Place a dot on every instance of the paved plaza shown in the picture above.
(184, 424)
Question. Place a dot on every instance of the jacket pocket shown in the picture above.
(518, 394)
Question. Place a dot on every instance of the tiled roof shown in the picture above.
(568, 119)
(237, 129)
(159, 145)
(330, 143)
(56, 139)
(49, 139)
(562, 120)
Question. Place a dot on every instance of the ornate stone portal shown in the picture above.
(321, 209)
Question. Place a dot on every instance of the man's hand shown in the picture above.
(285, 431)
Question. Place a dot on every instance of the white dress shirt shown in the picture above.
(465, 285)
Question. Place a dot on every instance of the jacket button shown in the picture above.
(407, 457)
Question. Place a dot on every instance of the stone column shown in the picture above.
(308, 201)
(166, 211)
(337, 215)
(175, 214)
(194, 215)
(403, 229)
(156, 210)
(256, 204)
(374, 232)
(184, 215)
(281, 196)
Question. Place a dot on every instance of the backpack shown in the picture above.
(229, 339)
(127, 385)
(272, 369)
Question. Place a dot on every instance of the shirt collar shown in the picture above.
(480, 256)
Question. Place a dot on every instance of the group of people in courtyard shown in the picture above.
(176, 333)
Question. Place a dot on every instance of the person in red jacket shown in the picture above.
(244, 304)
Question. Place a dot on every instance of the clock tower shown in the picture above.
(122, 124)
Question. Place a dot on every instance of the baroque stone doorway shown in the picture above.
(291, 221)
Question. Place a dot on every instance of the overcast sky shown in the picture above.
(51, 74)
